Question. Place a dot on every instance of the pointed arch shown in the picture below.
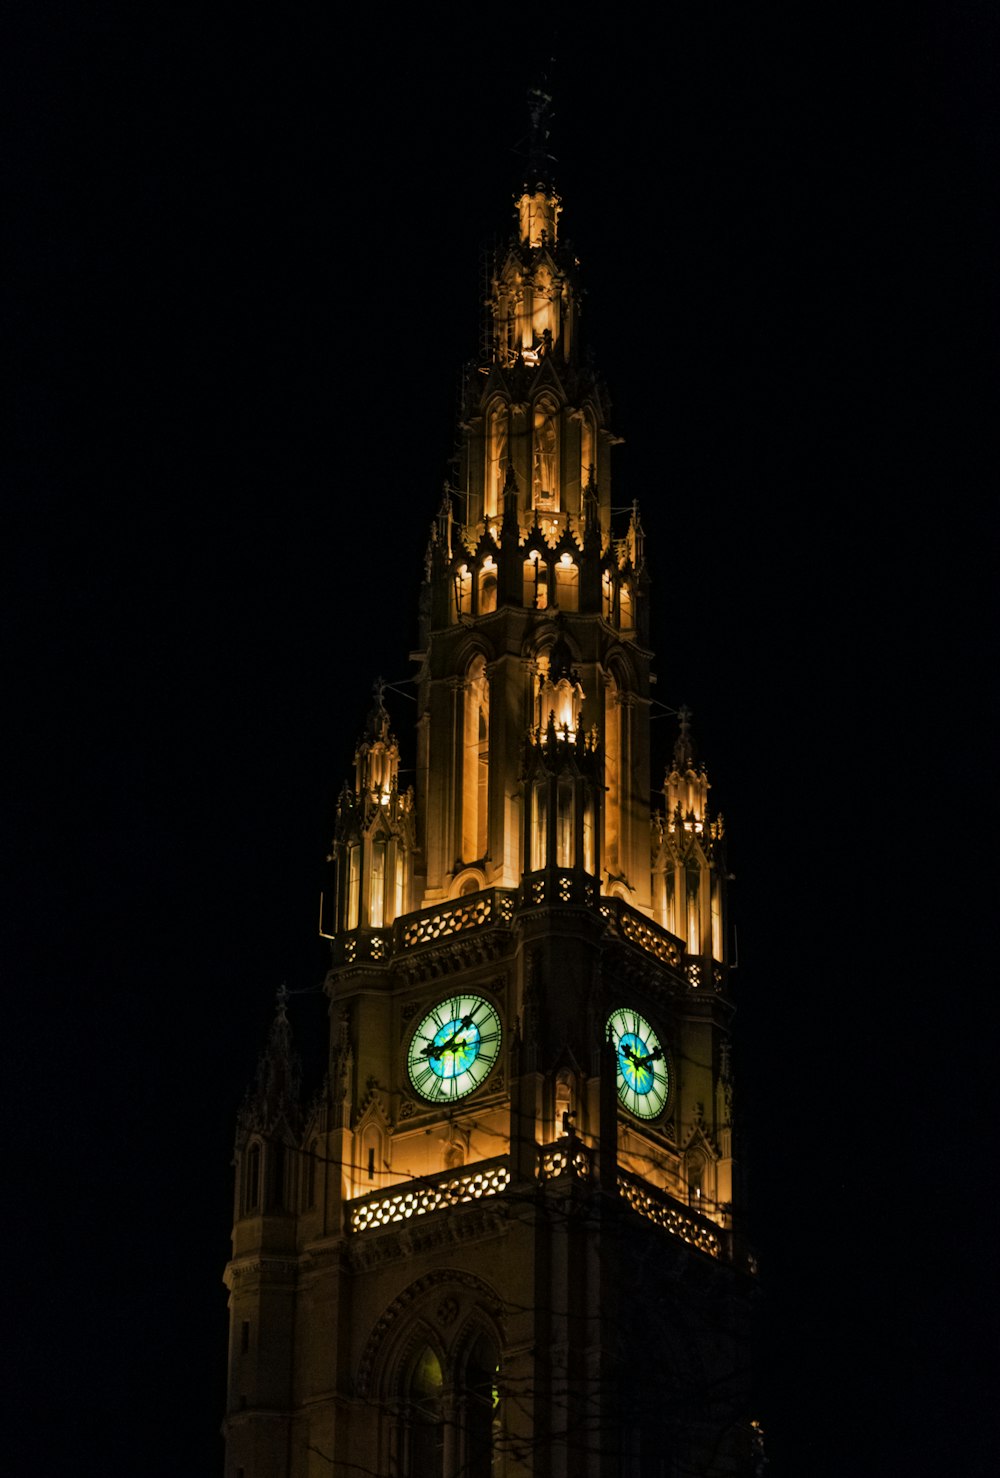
(430, 1366)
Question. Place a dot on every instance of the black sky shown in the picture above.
(244, 278)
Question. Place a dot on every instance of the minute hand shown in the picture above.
(438, 1052)
(643, 1062)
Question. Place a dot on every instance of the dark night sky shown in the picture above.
(244, 279)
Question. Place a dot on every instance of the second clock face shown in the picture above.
(641, 1062)
(454, 1048)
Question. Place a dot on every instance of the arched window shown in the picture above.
(251, 1181)
(461, 593)
(589, 836)
(567, 584)
(539, 824)
(566, 824)
(607, 596)
(586, 449)
(372, 1156)
(376, 904)
(354, 887)
(423, 1434)
(545, 456)
(487, 586)
(400, 882)
(626, 619)
(716, 919)
(481, 1409)
(536, 582)
(694, 909)
(496, 459)
(476, 762)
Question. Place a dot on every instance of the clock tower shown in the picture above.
(504, 1238)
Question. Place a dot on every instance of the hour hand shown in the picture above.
(437, 1052)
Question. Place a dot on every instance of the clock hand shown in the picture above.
(654, 1056)
(438, 1052)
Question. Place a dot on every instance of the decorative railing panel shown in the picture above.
(565, 1157)
(436, 1193)
(495, 906)
(656, 1207)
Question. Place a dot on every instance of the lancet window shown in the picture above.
(461, 593)
(476, 761)
(449, 1421)
(536, 582)
(586, 449)
(354, 887)
(539, 823)
(251, 1181)
(545, 456)
(567, 584)
(423, 1427)
(496, 458)
(487, 586)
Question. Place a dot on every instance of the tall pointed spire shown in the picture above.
(540, 160)
(539, 206)
(276, 1092)
(683, 746)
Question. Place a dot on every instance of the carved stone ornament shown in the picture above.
(478, 1287)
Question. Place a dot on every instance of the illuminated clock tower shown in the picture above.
(504, 1239)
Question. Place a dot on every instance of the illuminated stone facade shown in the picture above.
(479, 1252)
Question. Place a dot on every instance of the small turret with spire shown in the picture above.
(689, 862)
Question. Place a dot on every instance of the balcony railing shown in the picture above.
(656, 1206)
(495, 908)
(433, 1193)
(565, 1157)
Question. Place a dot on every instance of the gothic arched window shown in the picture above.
(536, 582)
(423, 1422)
(545, 456)
(251, 1180)
(487, 586)
(586, 449)
(496, 459)
(565, 824)
(353, 887)
(567, 584)
(539, 824)
(626, 620)
(481, 1408)
(476, 762)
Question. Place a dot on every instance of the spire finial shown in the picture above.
(683, 747)
(539, 158)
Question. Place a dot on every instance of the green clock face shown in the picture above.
(643, 1075)
(454, 1048)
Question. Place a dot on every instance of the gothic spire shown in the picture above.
(683, 746)
(276, 1093)
(539, 172)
